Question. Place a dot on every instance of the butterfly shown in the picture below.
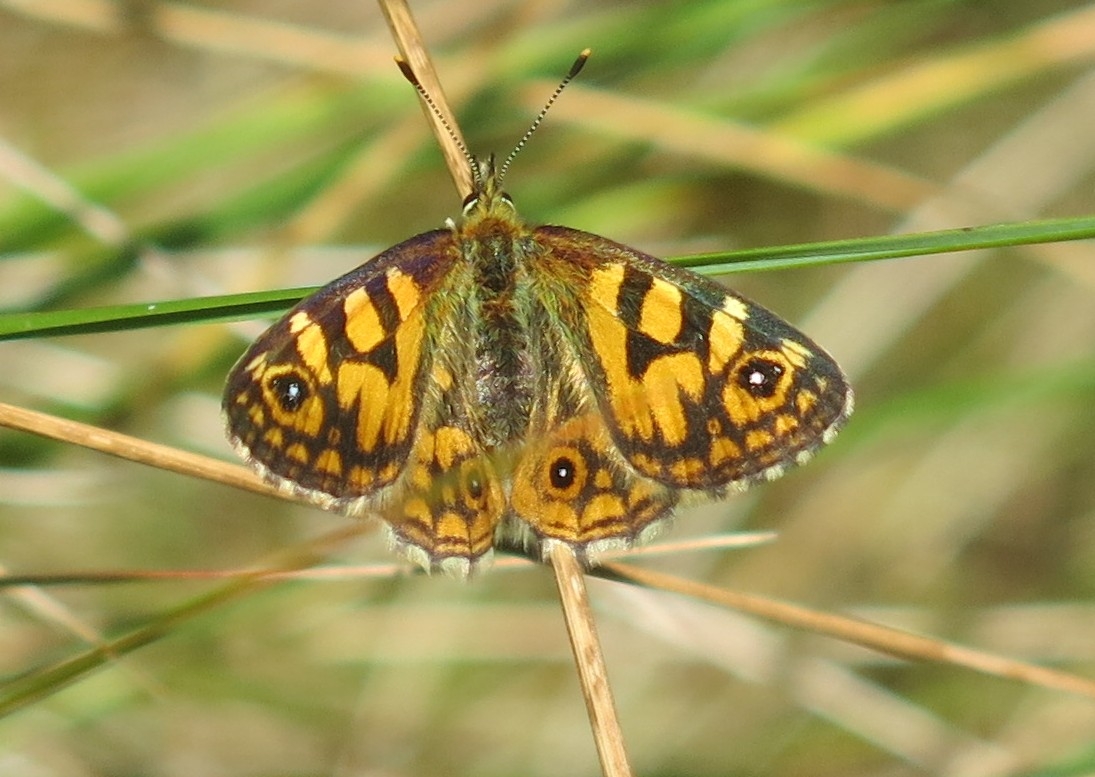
(497, 384)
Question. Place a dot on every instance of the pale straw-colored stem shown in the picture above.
(590, 660)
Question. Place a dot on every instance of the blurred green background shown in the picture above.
(154, 150)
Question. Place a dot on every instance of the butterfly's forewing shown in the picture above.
(700, 389)
(325, 402)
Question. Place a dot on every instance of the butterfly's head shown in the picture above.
(488, 195)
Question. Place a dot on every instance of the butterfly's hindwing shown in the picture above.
(569, 487)
(450, 503)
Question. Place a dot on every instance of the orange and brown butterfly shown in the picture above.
(493, 383)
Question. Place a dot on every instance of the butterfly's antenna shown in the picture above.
(576, 68)
(408, 73)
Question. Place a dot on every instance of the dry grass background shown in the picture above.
(267, 143)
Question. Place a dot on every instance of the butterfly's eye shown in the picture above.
(566, 473)
(290, 391)
(760, 377)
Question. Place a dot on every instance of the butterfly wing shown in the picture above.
(348, 401)
(700, 389)
(569, 487)
(570, 483)
(321, 403)
(452, 501)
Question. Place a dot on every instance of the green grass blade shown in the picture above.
(15, 326)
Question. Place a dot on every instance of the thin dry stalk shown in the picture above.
(568, 573)
(41, 683)
(134, 449)
(893, 641)
(884, 639)
(440, 115)
(590, 660)
(187, 25)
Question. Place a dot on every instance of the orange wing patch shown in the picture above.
(647, 406)
(451, 503)
(567, 488)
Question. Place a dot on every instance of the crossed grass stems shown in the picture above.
(569, 576)
(295, 564)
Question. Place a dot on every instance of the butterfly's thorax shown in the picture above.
(496, 245)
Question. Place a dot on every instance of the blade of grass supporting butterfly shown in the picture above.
(234, 307)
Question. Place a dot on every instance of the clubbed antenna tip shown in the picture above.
(405, 69)
(579, 63)
(575, 69)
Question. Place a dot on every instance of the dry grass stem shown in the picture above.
(870, 635)
(442, 121)
(572, 591)
(133, 449)
(592, 672)
(215, 30)
(44, 682)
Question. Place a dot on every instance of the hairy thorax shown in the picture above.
(497, 253)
